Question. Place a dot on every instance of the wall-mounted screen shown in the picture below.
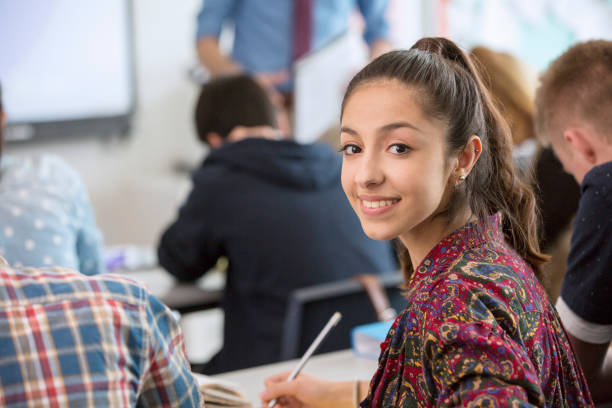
(66, 67)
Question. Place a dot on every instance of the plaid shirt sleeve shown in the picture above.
(71, 340)
(168, 380)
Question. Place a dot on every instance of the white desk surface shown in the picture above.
(340, 365)
(161, 282)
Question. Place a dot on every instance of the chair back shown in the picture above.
(309, 308)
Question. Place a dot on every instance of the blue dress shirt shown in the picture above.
(263, 40)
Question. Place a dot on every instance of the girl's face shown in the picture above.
(394, 170)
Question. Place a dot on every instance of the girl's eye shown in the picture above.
(350, 149)
(399, 148)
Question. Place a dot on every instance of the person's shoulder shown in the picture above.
(57, 172)
(124, 286)
(599, 179)
(44, 164)
(483, 266)
(44, 167)
(254, 155)
(212, 174)
(492, 281)
(477, 294)
(52, 163)
(52, 284)
(594, 215)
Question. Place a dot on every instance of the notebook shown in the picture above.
(220, 393)
(366, 339)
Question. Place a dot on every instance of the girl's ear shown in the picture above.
(468, 157)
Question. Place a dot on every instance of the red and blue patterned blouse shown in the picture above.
(479, 331)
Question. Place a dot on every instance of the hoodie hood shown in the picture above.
(311, 166)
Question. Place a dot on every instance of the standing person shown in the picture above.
(421, 135)
(574, 113)
(274, 208)
(270, 35)
(45, 214)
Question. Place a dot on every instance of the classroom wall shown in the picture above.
(132, 184)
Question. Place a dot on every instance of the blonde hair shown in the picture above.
(577, 85)
(512, 84)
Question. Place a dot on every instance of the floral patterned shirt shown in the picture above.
(479, 331)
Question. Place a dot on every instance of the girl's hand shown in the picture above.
(306, 391)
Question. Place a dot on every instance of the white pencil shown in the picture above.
(313, 347)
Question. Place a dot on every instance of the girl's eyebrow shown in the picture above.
(348, 130)
(397, 125)
(383, 129)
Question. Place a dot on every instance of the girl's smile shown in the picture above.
(377, 205)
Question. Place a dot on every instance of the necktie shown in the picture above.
(302, 29)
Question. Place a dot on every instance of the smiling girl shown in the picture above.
(427, 160)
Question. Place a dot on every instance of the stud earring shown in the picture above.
(462, 178)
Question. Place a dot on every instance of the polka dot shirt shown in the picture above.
(46, 217)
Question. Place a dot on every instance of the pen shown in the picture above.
(313, 347)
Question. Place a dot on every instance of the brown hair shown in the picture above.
(451, 90)
(578, 84)
(508, 81)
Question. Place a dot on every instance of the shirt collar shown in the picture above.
(472, 235)
(597, 174)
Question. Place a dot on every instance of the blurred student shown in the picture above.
(67, 339)
(512, 85)
(274, 208)
(420, 132)
(574, 113)
(270, 35)
(45, 214)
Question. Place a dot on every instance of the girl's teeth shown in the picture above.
(378, 204)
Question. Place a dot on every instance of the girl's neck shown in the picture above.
(425, 236)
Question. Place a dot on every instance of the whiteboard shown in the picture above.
(65, 59)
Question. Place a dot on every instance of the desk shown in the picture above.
(205, 293)
(339, 365)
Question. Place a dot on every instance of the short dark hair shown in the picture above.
(577, 85)
(230, 101)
